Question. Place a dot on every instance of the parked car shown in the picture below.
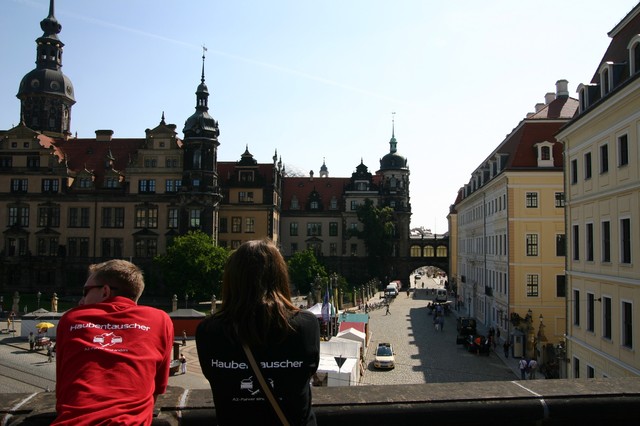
(466, 326)
(385, 357)
(391, 291)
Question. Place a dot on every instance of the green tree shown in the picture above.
(377, 234)
(303, 270)
(193, 265)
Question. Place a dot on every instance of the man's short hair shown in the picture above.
(123, 278)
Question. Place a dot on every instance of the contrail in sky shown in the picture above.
(195, 47)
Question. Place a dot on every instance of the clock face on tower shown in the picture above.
(35, 83)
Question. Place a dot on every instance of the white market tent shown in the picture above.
(353, 334)
(339, 346)
(347, 375)
(317, 310)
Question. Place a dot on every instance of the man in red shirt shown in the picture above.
(113, 355)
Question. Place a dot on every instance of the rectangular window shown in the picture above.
(18, 215)
(50, 186)
(625, 240)
(574, 172)
(19, 185)
(561, 245)
(250, 224)
(245, 197)
(146, 247)
(47, 246)
(532, 244)
(561, 286)
(623, 151)
(333, 229)
(333, 249)
(576, 368)
(532, 285)
(146, 216)
(112, 247)
(173, 213)
(354, 205)
(78, 247)
(194, 218)
(604, 158)
(606, 241)
(314, 229)
(33, 162)
(79, 217)
(606, 317)
(627, 324)
(113, 217)
(559, 199)
(587, 165)
(531, 200)
(591, 305)
(576, 242)
(589, 242)
(591, 372)
(147, 186)
(223, 225)
(49, 216)
(173, 185)
(576, 307)
(294, 248)
(236, 224)
(293, 229)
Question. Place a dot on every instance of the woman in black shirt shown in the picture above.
(284, 340)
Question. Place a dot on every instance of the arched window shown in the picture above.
(197, 159)
(545, 153)
(441, 251)
(415, 251)
(427, 251)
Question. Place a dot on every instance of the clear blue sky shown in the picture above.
(317, 80)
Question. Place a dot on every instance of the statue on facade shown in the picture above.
(54, 303)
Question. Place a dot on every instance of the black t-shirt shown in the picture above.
(287, 367)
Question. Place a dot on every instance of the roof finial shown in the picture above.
(393, 124)
(204, 49)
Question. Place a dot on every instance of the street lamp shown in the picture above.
(38, 294)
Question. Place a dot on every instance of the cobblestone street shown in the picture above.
(424, 355)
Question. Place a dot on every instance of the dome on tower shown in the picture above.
(393, 160)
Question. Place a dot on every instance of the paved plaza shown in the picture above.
(424, 355)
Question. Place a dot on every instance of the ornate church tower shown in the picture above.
(200, 193)
(46, 94)
(394, 191)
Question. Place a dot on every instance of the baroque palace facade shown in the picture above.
(68, 202)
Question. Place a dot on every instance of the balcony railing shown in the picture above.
(523, 403)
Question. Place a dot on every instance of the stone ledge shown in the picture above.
(547, 402)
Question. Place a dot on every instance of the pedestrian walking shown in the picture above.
(533, 365)
(523, 365)
(49, 353)
(441, 322)
(183, 364)
(184, 338)
(387, 311)
(32, 341)
(505, 347)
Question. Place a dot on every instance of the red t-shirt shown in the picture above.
(112, 360)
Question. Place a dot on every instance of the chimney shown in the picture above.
(562, 89)
(104, 135)
(539, 107)
(549, 97)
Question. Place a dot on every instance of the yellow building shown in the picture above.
(510, 232)
(251, 200)
(602, 214)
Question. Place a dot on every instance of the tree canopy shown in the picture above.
(377, 233)
(193, 265)
(303, 270)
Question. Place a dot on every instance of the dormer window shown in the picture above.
(246, 176)
(545, 154)
(294, 203)
(634, 54)
(605, 78)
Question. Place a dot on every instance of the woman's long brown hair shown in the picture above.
(256, 299)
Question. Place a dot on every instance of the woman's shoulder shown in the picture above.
(302, 317)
